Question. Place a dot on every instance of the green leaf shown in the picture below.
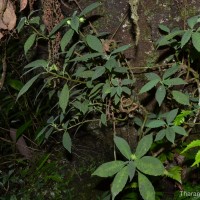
(75, 23)
(85, 74)
(35, 20)
(180, 130)
(57, 27)
(186, 37)
(196, 40)
(197, 159)
(119, 182)
(67, 143)
(172, 70)
(110, 64)
(146, 188)
(27, 86)
(180, 97)
(15, 84)
(66, 39)
(64, 98)
(36, 63)
(171, 115)
(29, 42)
(148, 86)
(123, 147)
(21, 24)
(192, 21)
(96, 88)
(160, 135)
(195, 143)
(98, 72)
(89, 8)
(94, 43)
(109, 168)
(170, 134)
(160, 94)
(119, 91)
(116, 99)
(174, 173)
(164, 28)
(127, 82)
(150, 165)
(126, 90)
(174, 81)
(120, 49)
(152, 76)
(104, 119)
(155, 123)
(144, 145)
(131, 170)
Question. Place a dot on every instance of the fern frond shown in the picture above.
(174, 173)
(197, 159)
(195, 143)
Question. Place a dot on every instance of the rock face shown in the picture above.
(115, 17)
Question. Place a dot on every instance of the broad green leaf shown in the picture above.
(29, 42)
(57, 27)
(120, 49)
(116, 99)
(89, 8)
(160, 94)
(174, 173)
(171, 115)
(170, 134)
(196, 40)
(110, 64)
(66, 140)
(96, 88)
(36, 63)
(41, 132)
(64, 98)
(35, 20)
(98, 72)
(180, 130)
(27, 86)
(152, 76)
(123, 147)
(197, 159)
(186, 37)
(131, 170)
(75, 23)
(119, 91)
(148, 86)
(115, 81)
(180, 97)
(126, 90)
(119, 182)
(146, 188)
(109, 168)
(85, 74)
(172, 70)
(192, 21)
(104, 119)
(21, 24)
(66, 39)
(144, 145)
(127, 81)
(195, 143)
(150, 165)
(121, 70)
(155, 123)
(160, 135)
(94, 43)
(174, 81)
(164, 28)
(15, 84)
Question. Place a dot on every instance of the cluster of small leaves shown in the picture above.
(125, 171)
(88, 76)
(164, 84)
